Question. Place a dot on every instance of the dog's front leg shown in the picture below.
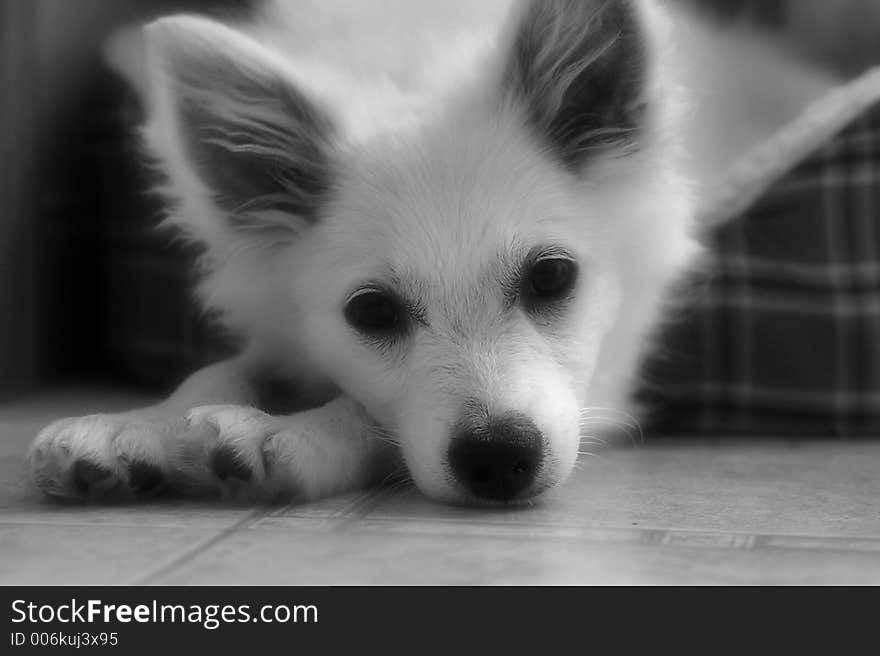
(131, 454)
(242, 452)
(144, 451)
(209, 437)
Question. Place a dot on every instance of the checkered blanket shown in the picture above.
(781, 334)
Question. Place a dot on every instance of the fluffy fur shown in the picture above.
(430, 149)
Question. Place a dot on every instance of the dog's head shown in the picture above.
(457, 272)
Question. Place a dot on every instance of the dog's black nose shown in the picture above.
(498, 460)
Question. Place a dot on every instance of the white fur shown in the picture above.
(440, 187)
(437, 183)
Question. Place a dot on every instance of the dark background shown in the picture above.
(88, 288)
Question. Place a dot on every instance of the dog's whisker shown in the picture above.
(630, 429)
(387, 440)
(398, 475)
(397, 486)
(609, 412)
(610, 409)
(606, 417)
(608, 424)
(611, 430)
(384, 435)
(611, 421)
(622, 418)
(593, 439)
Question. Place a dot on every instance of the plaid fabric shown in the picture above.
(782, 332)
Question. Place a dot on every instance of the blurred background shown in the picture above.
(89, 291)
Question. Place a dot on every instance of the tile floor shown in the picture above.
(668, 512)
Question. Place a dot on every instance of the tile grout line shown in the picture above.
(349, 512)
(404, 519)
(360, 509)
(654, 537)
(339, 519)
(172, 562)
(362, 505)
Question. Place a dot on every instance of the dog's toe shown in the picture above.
(91, 479)
(226, 447)
(145, 478)
(98, 457)
(229, 464)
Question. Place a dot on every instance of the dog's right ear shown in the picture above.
(237, 137)
(578, 68)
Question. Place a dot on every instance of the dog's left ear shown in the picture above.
(233, 129)
(578, 68)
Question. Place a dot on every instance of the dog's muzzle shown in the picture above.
(498, 460)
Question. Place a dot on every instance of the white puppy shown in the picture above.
(449, 225)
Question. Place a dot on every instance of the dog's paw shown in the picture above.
(101, 457)
(233, 450)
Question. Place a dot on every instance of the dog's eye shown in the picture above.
(374, 312)
(551, 278)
